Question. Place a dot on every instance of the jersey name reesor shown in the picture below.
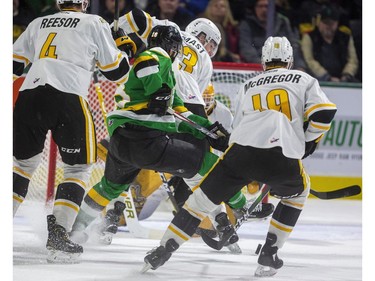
(59, 22)
(194, 42)
(292, 78)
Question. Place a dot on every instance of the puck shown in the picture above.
(257, 251)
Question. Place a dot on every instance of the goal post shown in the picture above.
(227, 78)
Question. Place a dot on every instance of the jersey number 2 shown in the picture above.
(277, 99)
(49, 50)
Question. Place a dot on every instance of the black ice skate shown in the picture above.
(59, 247)
(108, 227)
(158, 256)
(261, 211)
(231, 243)
(268, 260)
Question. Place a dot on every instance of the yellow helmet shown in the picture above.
(209, 96)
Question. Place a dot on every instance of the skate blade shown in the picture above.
(56, 256)
(146, 267)
(234, 249)
(265, 271)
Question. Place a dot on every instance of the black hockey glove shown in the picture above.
(124, 43)
(310, 146)
(160, 100)
(220, 143)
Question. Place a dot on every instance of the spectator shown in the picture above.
(330, 52)
(195, 6)
(22, 16)
(253, 34)
(108, 12)
(220, 13)
(172, 11)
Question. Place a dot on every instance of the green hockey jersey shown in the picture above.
(151, 69)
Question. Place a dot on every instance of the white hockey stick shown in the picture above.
(135, 228)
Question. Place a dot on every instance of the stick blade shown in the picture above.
(339, 193)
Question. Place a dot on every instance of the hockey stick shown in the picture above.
(116, 17)
(338, 193)
(218, 245)
(135, 228)
(192, 124)
(335, 194)
(167, 187)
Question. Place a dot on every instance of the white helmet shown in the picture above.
(85, 3)
(207, 32)
(277, 49)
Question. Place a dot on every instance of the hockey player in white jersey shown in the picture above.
(267, 144)
(63, 49)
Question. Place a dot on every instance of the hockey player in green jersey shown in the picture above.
(140, 130)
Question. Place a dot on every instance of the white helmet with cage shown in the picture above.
(207, 33)
(85, 3)
(277, 49)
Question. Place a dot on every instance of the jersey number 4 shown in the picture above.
(48, 50)
(277, 99)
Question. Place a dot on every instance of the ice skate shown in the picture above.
(262, 211)
(108, 227)
(158, 256)
(268, 260)
(60, 248)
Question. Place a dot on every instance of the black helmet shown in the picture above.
(166, 37)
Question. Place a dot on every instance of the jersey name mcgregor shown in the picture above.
(292, 78)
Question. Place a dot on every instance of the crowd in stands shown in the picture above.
(326, 34)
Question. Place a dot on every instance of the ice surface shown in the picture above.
(326, 245)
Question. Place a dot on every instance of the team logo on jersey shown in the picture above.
(274, 140)
(191, 96)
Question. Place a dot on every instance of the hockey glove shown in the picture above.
(221, 143)
(160, 100)
(124, 43)
(310, 146)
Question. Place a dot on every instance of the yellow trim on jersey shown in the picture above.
(97, 198)
(90, 135)
(21, 58)
(195, 214)
(280, 227)
(149, 26)
(320, 127)
(303, 174)
(132, 26)
(77, 181)
(294, 204)
(21, 172)
(145, 58)
(17, 198)
(111, 65)
(180, 109)
(329, 105)
(66, 204)
(138, 106)
(178, 233)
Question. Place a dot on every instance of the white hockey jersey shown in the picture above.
(271, 109)
(64, 49)
(196, 69)
(222, 114)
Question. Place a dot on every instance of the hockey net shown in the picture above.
(226, 79)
